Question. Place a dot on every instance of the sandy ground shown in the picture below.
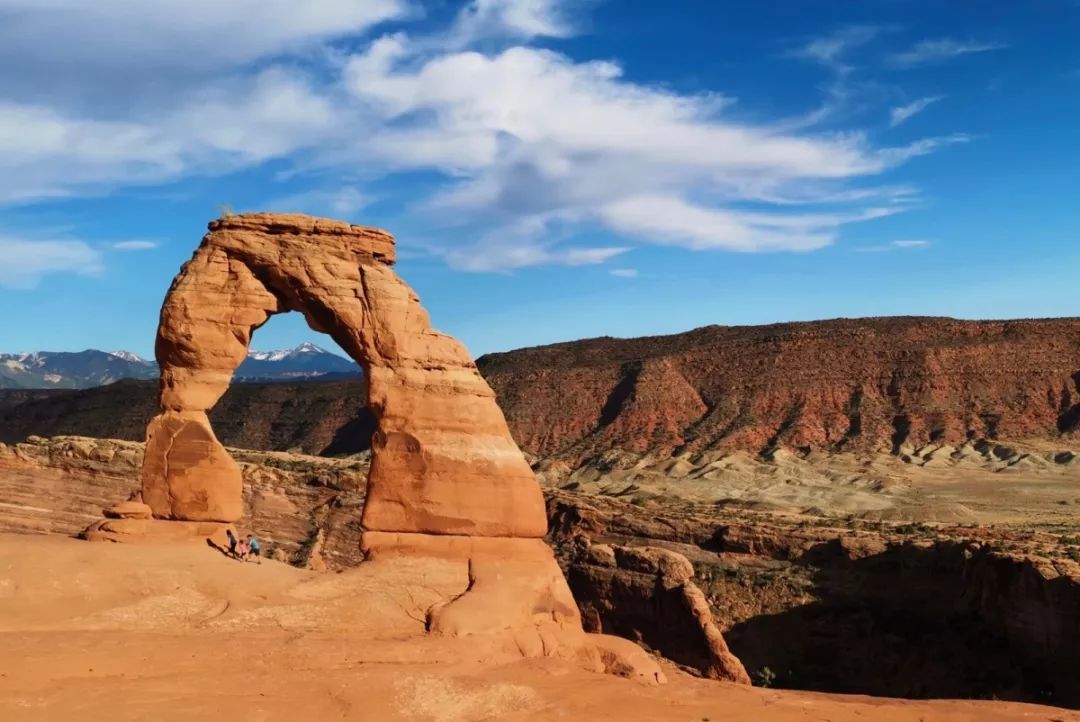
(123, 632)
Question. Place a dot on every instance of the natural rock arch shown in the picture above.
(448, 488)
(443, 460)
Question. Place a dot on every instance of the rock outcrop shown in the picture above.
(446, 481)
(648, 595)
(891, 610)
(443, 460)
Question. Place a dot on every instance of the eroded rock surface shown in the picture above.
(872, 384)
(648, 595)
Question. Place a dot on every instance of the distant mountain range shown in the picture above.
(90, 368)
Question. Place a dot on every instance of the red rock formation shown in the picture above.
(648, 595)
(443, 461)
(866, 384)
(447, 483)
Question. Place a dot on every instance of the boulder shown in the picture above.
(648, 595)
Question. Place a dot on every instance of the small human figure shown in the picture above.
(242, 551)
(232, 542)
(254, 548)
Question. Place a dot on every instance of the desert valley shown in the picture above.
(884, 507)
(539, 361)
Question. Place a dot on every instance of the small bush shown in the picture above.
(764, 677)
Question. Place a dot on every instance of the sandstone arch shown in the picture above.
(448, 487)
(443, 459)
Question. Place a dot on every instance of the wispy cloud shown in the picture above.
(510, 257)
(27, 261)
(832, 49)
(134, 245)
(902, 113)
(624, 272)
(525, 172)
(512, 19)
(939, 49)
(895, 246)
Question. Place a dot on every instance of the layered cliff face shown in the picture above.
(882, 384)
(890, 385)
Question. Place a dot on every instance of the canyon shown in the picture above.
(848, 605)
(875, 506)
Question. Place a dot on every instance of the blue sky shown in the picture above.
(552, 170)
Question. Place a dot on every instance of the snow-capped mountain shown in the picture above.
(71, 370)
(84, 369)
(128, 356)
(282, 354)
(306, 361)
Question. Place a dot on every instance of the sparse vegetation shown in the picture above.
(764, 677)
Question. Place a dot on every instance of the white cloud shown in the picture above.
(528, 133)
(932, 51)
(624, 272)
(673, 221)
(195, 34)
(904, 112)
(530, 146)
(134, 245)
(508, 257)
(230, 124)
(895, 246)
(46, 154)
(26, 261)
(516, 19)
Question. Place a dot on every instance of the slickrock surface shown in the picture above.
(179, 633)
(131, 632)
(875, 384)
(841, 605)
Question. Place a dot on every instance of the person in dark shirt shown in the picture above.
(232, 542)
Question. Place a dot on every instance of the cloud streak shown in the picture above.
(134, 245)
(27, 261)
(903, 113)
(938, 50)
(895, 246)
